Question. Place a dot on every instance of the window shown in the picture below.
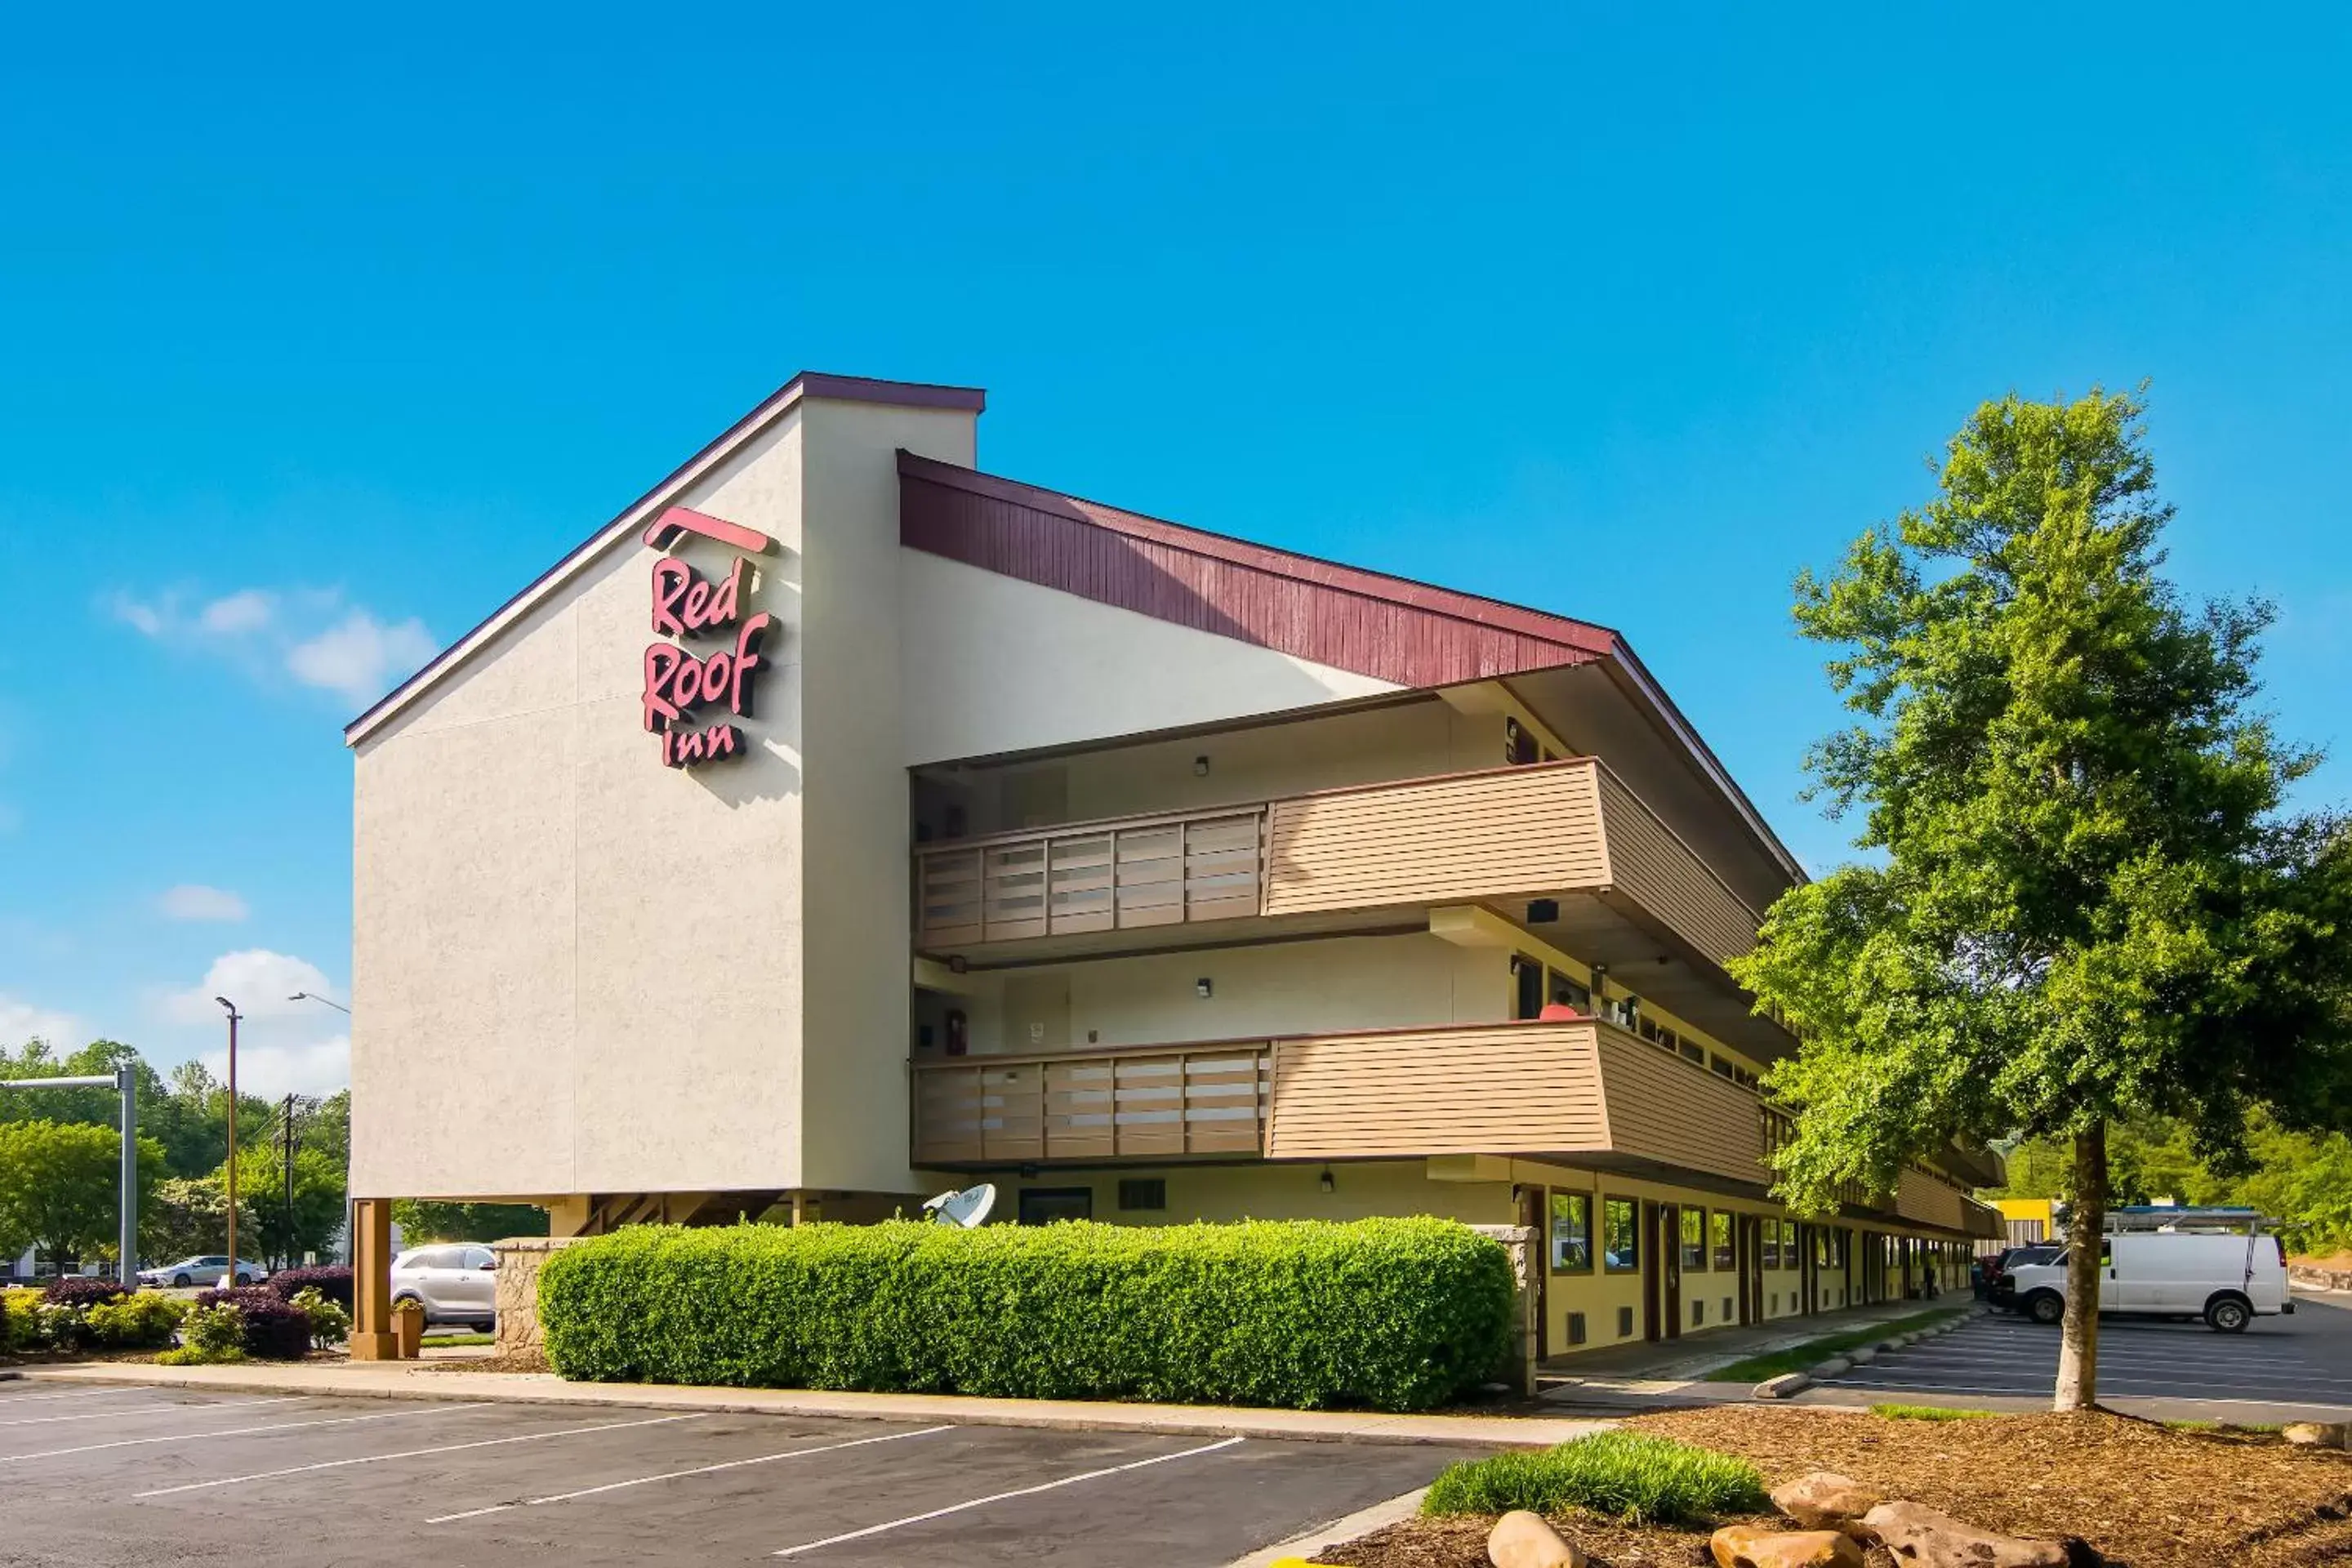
(1722, 1068)
(1694, 1239)
(479, 1258)
(1143, 1192)
(1719, 1237)
(1572, 1233)
(1567, 992)
(1518, 746)
(1771, 1243)
(1693, 1052)
(1790, 1257)
(1043, 1206)
(1621, 1244)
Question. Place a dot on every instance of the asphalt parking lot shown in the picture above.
(2279, 1368)
(173, 1475)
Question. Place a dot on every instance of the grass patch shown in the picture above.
(1797, 1358)
(444, 1341)
(1627, 1476)
(1926, 1412)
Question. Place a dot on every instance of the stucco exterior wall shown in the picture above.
(575, 969)
(995, 664)
(854, 1025)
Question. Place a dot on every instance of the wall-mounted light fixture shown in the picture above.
(1200, 766)
(1325, 1180)
(1203, 987)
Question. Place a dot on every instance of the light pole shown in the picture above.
(229, 1282)
(123, 1080)
(350, 1248)
(313, 996)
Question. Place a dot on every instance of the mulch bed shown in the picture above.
(2141, 1494)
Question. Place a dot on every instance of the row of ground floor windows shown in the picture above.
(1622, 1267)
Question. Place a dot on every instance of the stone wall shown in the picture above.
(519, 1260)
(1521, 1241)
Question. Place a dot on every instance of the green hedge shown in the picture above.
(1396, 1314)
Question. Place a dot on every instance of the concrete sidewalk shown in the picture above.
(1646, 1376)
(380, 1380)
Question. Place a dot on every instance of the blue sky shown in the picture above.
(322, 336)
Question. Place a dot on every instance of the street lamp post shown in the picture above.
(350, 1233)
(229, 1282)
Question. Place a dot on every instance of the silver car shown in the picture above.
(453, 1282)
(204, 1270)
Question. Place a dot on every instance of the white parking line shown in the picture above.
(236, 1432)
(78, 1393)
(675, 1475)
(1001, 1497)
(149, 1410)
(411, 1454)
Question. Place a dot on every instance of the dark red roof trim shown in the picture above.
(1386, 627)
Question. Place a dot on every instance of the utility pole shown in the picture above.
(286, 1116)
(229, 1281)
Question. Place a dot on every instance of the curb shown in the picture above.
(1363, 1521)
(1302, 1426)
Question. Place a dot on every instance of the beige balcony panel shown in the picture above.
(1138, 1104)
(1677, 1113)
(1657, 870)
(1524, 830)
(1928, 1201)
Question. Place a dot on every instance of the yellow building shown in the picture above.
(841, 822)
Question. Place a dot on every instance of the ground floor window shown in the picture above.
(1621, 1244)
(1043, 1206)
(1694, 1237)
(1572, 1233)
(1718, 1235)
(1771, 1243)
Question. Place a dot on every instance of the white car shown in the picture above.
(453, 1282)
(2227, 1279)
(203, 1270)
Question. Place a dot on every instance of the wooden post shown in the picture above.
(373, 1338)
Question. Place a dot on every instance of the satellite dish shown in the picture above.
(966, 1208)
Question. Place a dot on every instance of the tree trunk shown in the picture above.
(2087, 1225)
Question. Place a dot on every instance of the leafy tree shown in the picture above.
(2087, 903)
(317, 1207)
(423, 1220)
(60, 1185)
(190, 1218)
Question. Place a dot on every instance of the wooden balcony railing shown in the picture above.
(1506, 833)
(1093, 877)
(1146, 1104)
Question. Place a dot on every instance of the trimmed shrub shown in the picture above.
(331, 1280)
(143, 1321)
(1628, 1477)
(329, 1323)
(20, 1325)
(214, 1333)
(1398, 1315)
(274, 1330)
(81, 1290)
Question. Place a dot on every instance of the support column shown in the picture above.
(371, 1333)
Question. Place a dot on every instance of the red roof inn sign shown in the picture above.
(680, 684)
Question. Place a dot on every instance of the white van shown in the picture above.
(2225, 1279)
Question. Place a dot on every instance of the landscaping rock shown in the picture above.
(1523, 1540)
(2313, 1434)
(1757, 1546)
(1836, 1366)
(1827, 1500)
(1783, 1386)
(1914, 1533)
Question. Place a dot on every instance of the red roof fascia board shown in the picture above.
(1391, 628)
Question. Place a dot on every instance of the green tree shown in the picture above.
(421, 1220)
(2086, 901)
(318, 1199)
(60, 1186)
(190, 1218)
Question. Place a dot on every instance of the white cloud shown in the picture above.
(314, 635)
(270, 1071)
(22, 1021)
(194, 901)
(258, 981)
(360, 656)
(246, 610)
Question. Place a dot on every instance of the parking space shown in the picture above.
(173, 1475)
(2279, 1367)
